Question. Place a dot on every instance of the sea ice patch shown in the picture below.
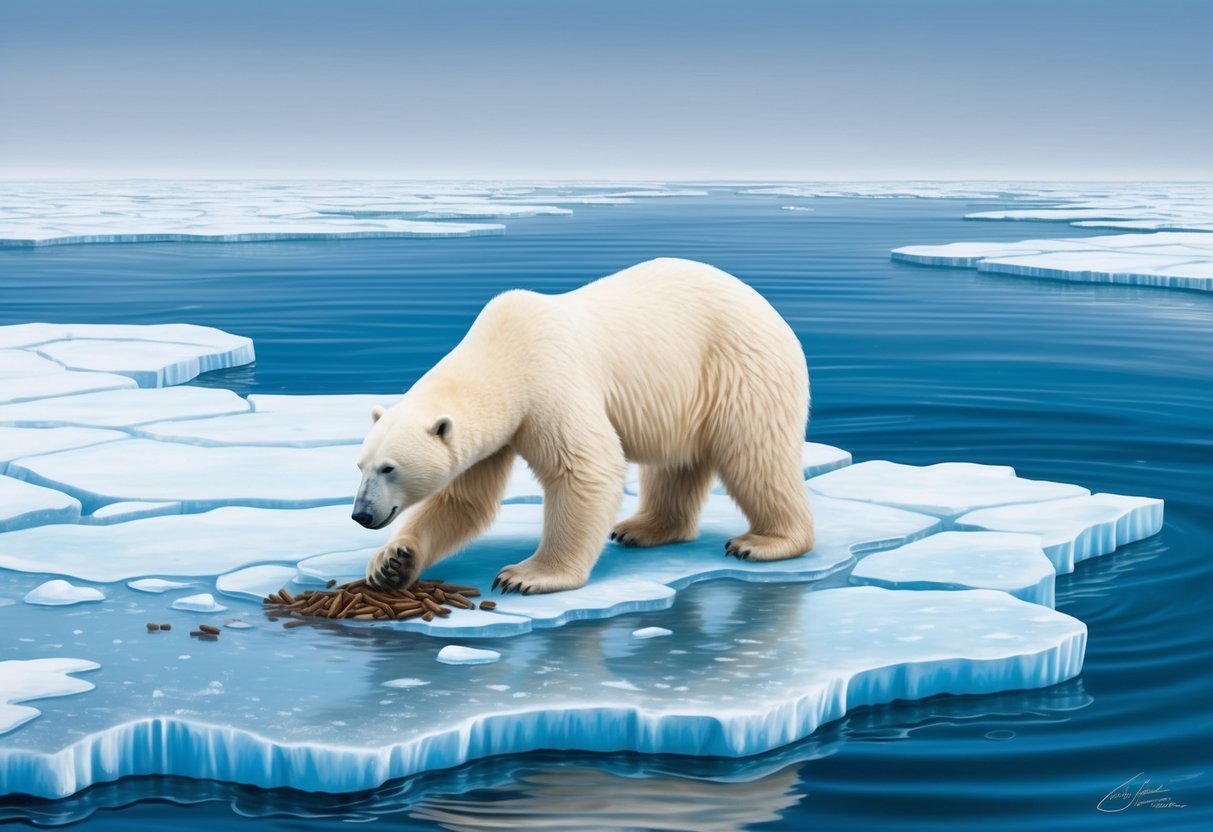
(196, 477)
(651, 632)
(1075, 529)
(203, 602)
(23, 505)
(123, 408)
(24, 679)
(455, 654)
(157, 585)
(60, 593)
(945, 490)
(20, 442)
(1012, 563)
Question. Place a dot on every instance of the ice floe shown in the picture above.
(23, 505)
(24, 679)
(199, 478)
(164, 504)
(18, 442)
(157, 585)
(123, 408)
(945, 490)
(60, 593)
(202, 602)
(838, 649)
(1076, 529)
(1168, 259)
(1012, 563)
(454, 654)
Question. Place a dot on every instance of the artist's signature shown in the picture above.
(1138, 793)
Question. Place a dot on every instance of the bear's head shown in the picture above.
(407, 456)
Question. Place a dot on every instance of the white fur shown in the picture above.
(671, 363)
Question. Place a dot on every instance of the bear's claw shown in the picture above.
(731, 549)
(388, 572)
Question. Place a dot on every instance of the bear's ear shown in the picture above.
(442, 427)
(376, 413)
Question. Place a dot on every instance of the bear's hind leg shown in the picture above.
(769, 489)
(671, 497)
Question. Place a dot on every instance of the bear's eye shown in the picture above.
(387, 469)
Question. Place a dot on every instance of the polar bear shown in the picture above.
(671, 363)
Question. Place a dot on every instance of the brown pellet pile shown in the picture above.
(424, 600)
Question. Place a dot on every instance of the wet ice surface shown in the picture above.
(78, 213)
(1178, 256)
(675, 650)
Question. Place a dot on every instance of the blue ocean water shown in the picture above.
(1107, 386)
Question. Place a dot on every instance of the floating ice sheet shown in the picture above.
(455, 654)
(18, 442)
(60, 593)
(1076, 529)
(157, 585)
(123, 408)
(26, 679)
(945, 490)
(1012, 563)
(30, 387)
(198, 478)
(203, 602)
(23, 505)
(807, 660)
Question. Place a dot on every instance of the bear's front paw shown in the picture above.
(534, 576)
(393, 567)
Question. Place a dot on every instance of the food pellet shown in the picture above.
(151, 628)
(294, 622)
(488, 605)
(357, 600)
(166, 627)
(209, 629)
(201, 636)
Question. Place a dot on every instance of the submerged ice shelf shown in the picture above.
(678, 649)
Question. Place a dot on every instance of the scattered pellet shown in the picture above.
(427, 616)
(209, 629)
(201, 636)
(331, 583)
(488, 605)
(166, 627)
(151, 628)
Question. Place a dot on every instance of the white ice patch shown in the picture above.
(651, 632)
(198, 478)
(157, 585)
(19, 442)
(203, 602)
(23, 505)
(31, 388)
(23, 680)
(405, 683)
(255, 582)
(60, 593)
(186, 545)
(945, 490)
(1076, 529)
(454, 654)
(1012, 563)
(123, 408)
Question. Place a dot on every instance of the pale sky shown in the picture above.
(642, 89)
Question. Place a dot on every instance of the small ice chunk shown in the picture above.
(406, 682)
(237, 624)
(156, 585)
(25, 679)
(454, 654)
(619, 684)
(651, 632)
(203, 602)
(59, 593)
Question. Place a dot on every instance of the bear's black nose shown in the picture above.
(362, 519)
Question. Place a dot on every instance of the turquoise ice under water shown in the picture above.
(896, 375)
